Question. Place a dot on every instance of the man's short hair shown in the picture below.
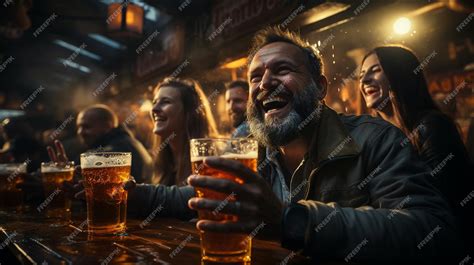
(238, 83)
(276, 34)
(103, 113)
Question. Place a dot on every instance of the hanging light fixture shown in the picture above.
(125, 19)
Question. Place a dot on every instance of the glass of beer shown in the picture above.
(54, 174)
(222, 247)
(105, 174)
(10, 176)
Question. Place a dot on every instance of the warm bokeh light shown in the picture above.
(235, 64)
(402, 25)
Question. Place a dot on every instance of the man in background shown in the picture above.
(236, 96)
(98, 128)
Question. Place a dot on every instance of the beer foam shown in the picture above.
(251, 155)
(13, 167)
(93, 161)
(55, 169)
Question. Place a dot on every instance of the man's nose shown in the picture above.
(268, 81)
(234, 107)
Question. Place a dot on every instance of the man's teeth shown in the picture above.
(273, 100)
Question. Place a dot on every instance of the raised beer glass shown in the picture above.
(54, 174)
(105, 174)
(222, 247)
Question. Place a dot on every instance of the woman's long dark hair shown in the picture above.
(199, 122)
(411, 99)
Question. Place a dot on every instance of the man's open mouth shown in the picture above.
(274, 104)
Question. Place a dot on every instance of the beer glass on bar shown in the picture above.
(105, 174)
(11, 175)
(57, 204)
(222, 247)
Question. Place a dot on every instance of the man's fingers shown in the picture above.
(225, 207)
(51, 153)
(130, 185)
(61, 152)
(217, 184)
(234, 167)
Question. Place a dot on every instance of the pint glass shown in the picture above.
(222, 247)
(54, 174)
(105, 174)
(10, 176)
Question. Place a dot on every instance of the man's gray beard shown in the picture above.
(280, 131)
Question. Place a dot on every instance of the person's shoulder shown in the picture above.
(434, 120)
(364, 121)
(366, 129)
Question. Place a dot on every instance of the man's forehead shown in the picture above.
(235, 91)
(278, 50)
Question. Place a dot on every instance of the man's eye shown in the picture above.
(255, 79)
(283, 70)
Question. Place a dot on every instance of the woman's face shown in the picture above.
(167, 112)
(373, 83)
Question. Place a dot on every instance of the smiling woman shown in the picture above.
(180, 112)
(393, 86)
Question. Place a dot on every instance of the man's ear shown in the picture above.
(322, 83)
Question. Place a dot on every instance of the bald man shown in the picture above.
(99, 129)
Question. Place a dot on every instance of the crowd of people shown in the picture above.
(326, 181)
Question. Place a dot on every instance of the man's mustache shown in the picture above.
(279, 91)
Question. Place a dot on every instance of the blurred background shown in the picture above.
(56, 57)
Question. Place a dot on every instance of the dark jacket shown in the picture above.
(358, 196)
(120, 139)
(442, 149)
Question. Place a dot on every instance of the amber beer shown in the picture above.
(54, 174)
(104, 176)
(222, 247)
(10, 176)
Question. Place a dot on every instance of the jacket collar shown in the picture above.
(330, 139)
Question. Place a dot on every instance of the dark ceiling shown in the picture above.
(38, 58)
